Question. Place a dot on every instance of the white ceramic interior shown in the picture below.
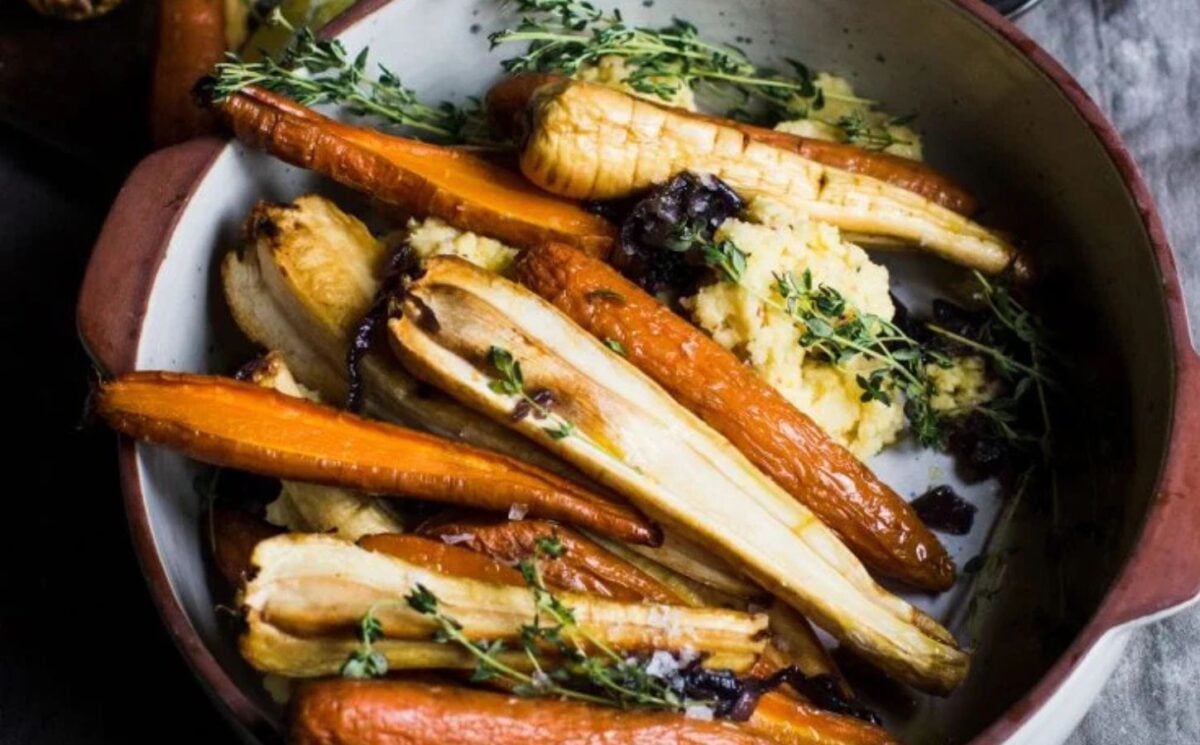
(989, 117)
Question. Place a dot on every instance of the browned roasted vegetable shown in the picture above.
(508, 108)
(443, 558)
(421, 179)
(341, 712)
(603, 415)
(875, 522)
(241, 425)
(235, 533)
(191, 39)
(588, 141)
(309, 593)
(584, 567)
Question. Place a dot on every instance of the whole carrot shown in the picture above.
(873, 520)
(240, 425)
(191, 39)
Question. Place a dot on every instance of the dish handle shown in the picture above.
(1163, 573)
(132, 243)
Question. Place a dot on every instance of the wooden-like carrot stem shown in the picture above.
(874, 521)
(229, 423)
(421, 179)
(508, 100)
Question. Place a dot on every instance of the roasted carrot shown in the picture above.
(419, 178)
(583, 567)
(508, 100)
(230, 423)
(787, 721)
(235, 533)
(442, 557)
(874, 521)
(191, 39)
(343, 712)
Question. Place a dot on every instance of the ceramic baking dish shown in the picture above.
(997, 113)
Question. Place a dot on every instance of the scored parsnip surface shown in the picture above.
(419, 178)
(508, 103)
(315, 587)
(606, 417)
(875, 522)
(588, 141)
(241, 425)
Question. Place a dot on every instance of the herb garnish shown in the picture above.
(615, 346)
(511, 382)
(585, 668)
(567, 36)
(313, 71)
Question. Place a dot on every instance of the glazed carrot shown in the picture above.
(241, 425)
(442, 557)
(191, 39)
(343, 712)
(874, 521)
(584, 567)
(507, 102)
(235, 534)
(421, 179)
(787, 721)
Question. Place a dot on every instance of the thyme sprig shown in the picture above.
(314, 71)
(569, 36)
(584, 667)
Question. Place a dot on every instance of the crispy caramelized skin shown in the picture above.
(421, 179)
(874, 521)
(609, 420)
(585, 567)
(588, 141)
(508, 102)
(341, 712)
(244, 426)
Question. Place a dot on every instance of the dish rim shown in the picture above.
(1155, 579)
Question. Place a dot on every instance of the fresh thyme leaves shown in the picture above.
(510, 381)
(366, 662)
(837, 331)
(561, 658)
(858, 130)
(570, 36)
(314, 71)
(615, 346)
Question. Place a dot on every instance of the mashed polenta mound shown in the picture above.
(780, 240)
(842, 104)
(434, 237)
(963, 385)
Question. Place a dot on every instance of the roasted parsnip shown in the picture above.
(309, 592)
(241, 425)
(420, 179)
(466, 330)
(303, 282)
(509, 100)
(588, 141)
(875, 522)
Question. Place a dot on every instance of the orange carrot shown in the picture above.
(240, 425)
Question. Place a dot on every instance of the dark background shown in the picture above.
(83, 657)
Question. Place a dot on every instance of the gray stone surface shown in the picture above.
(1140, 59)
